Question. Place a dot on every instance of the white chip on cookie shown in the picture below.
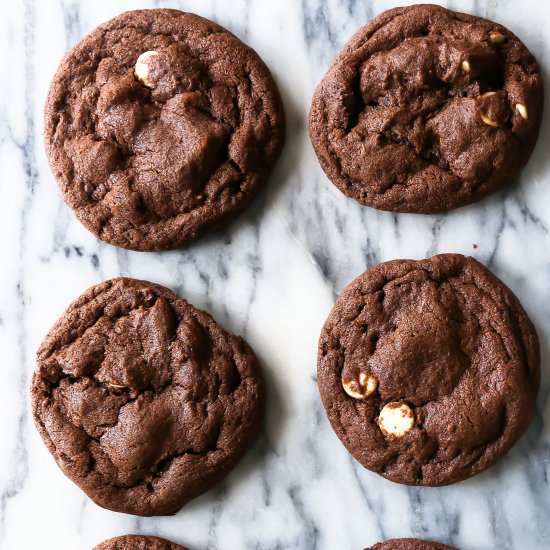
(362, 387)
(522, 110)
(396, 419)
(497, 38)
(142, 70)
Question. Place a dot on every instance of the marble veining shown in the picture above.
(272, 276)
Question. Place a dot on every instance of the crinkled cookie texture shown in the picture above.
(138, 542)
(151, 155)
(409, 544)
(455, 361)
(426, 110)
(142, 399)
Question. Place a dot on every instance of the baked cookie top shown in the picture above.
(409, 544)
(160, 126)
(138, 542)
(426, 109)
(142, 399)
(428, 370)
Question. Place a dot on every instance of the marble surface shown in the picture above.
(272, 277)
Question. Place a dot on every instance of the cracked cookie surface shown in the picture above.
(409, 544)
(138, 542)
(426, 110)
(153, 167)
(444, 338)
(142, 399)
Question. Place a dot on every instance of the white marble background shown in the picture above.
(272, 277)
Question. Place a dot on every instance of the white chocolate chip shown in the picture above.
(466, 66)
(522, 110)
(116, 386)
(396, 419)
(497, 38)
(362, 388)
(488, 121)
(487, 94)
(141, 69)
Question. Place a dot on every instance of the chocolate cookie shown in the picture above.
(138, 542)
(426, 109)
(428, 370)
(161, 126)
(142, 399)
(409, 544)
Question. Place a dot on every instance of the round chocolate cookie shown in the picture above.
(409, 544)
(426, 109)
(138, 542)
(161, 126)
(428, 370)
(142, 399)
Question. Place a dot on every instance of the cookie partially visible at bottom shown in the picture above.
(138, 542)
(409, 544)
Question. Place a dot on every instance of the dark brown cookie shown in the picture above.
(151, 151)
(138, 542)
(426, 109)
(142, 399)
(409, 544)
(428, 370)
